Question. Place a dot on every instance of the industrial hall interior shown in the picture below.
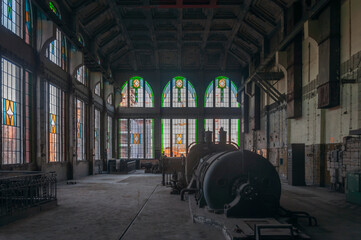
(180, 119)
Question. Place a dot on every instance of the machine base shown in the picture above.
(244, 228)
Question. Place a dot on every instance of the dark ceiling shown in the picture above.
(178, 34)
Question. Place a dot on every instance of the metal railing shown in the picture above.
(22, 190)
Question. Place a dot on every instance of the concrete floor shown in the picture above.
(103, 206)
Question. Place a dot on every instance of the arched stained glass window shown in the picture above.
(179, 93)
(221, 93)
(137, 93)
(54, 9)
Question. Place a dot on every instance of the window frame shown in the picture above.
(61, 125)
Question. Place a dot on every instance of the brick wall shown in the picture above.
(343, 160)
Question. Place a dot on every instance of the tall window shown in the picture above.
(177, 136)
(12, 15)
(12, 134)
(82, 75)
(80, 133)
(56, 124)
(12, 18)
(97, 134)
(28, 111)
(179, 93)
(109, 137)
(57, 50)
(231, 126)
(137, 93)
(97, 89)
(136, 138)
(221, 93)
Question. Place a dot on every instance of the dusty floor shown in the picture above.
(337, 219)
(103, 206)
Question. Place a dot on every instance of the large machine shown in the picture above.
(223, 182)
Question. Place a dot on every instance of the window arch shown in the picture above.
(221, 93)
(97, 89)
(137, 93)
(82, 74)
(57, 50)
(179, 93)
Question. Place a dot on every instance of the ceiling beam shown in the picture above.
(118, 16)
(179, 32)
(240, 16)
(210, 14)
(150, 24)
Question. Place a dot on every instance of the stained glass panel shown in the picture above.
(225, 93)
(12, 136)
(82, 75)
(28, 22)
(166, 95)
(97, 134)
(28, 110)
(234, 93)
(140, 93)
(123, 138)
(165, 128)
(55, 113)
(110, 137)
(177, 135)
(221, 123)
(222, 91)
(192, 96)
(54, 9)
(149, 138)
(149, 96)
(192, 131)
(179, 92)
(136, 131)
(80, 120)
(12, 16)
(235, 131)
(124, 102)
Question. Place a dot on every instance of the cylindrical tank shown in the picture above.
(242, 182)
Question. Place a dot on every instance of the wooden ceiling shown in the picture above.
(177, 34)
